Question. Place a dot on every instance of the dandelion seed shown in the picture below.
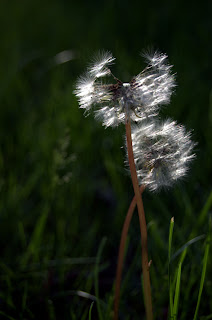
(154, 85)
(162, 153)
(139, 99)
(99, 68)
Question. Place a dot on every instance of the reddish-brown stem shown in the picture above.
(142, 220)
(121, 253)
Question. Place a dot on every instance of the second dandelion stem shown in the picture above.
(142, 220)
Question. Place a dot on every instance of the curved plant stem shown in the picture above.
(142, 220)
(121, 253)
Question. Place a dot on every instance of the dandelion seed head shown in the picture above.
(139, 99)
(162, 153)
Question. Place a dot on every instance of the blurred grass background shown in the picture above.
(63, 182)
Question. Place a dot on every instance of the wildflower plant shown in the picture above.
(158, 153)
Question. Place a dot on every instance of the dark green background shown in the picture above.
(63, 181)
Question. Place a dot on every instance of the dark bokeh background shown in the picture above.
(63, 181)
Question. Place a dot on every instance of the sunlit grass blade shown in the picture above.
(176, 282)
(169, 260)
(177, 292)
(182, 258)
(205, 260)
(170, 236)
(96, 272)
(81, 294)
(90, 310)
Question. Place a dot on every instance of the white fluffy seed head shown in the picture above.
(162, 153)
(139, 99)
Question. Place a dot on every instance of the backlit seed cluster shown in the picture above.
(162, 150)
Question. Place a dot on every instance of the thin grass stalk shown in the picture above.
(121, 253)
(177, 292)
(142, 220)
(176, 283)
(90, 310)
(169, 261)
(205, 260)
(96, 272)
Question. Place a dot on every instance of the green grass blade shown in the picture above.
(51, 311)
(6, 316)
(36, 238)
(186, 245)
(207, 317)
(182, 257)
(176, 281)
(96, 272)
(24, 298)
(90, 310)
(206, 208)
(205, 260)
(177, 292)
(169, 260)
(171, 227)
